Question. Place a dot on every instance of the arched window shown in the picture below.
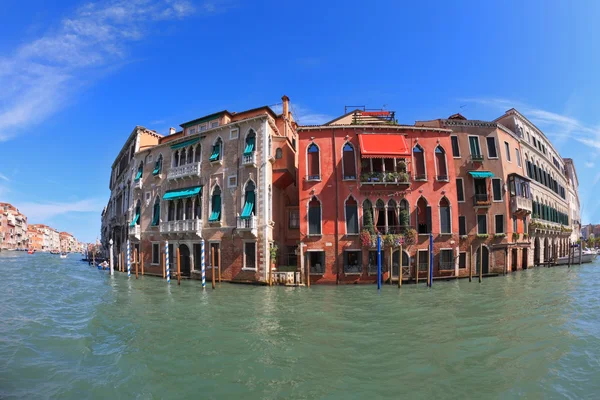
(175, 161)
(423, 216)
(249, 209)
(440, 163)
(445, 217)
(314, 217)
(140, 170)
(197, 153)
(217, 151)
(182, 156)
(158, 165)
(313, 162)
(404, 216)
(190, 155)
(138, 211)
(367, 218)
(392, 217)
(351, 216)
(348, 162)
(156, 212)
(215, 205)
(419, 163)
(278, 153)
(250, 143)
(179, 204)
(380, 215)
(198, 206)
(189, 208)
(171, 211)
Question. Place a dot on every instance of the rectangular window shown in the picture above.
(499, 224)
(191, 131)
(460, 190)
(455, 148)
(214, 124)
(172, 257)
(234, 134)
(462, 260)
(250, 255)
(524, 224)
(518, 154)
(294, 219)
(482, 224)
(507, 148)
(314, 219)
(352, 262)
(515, 230)
(155, 253)
(491, 144)
(446, 260)
(232, 181)
(373, 261)
(203, 127)
(316, 262)
(474, 147)
(497, 189)
(462, 225)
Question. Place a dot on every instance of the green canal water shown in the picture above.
(69, 331)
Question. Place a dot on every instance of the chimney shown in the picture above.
(171, 131)
(286, 105)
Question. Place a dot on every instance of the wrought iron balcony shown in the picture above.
(181, 226)
(476, 158)
(446, 266)
(249, 159)
(184, 171)
(482, 200)
(521, 205)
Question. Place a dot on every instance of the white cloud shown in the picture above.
(306, 116)
(40, 212)
(589, 164)
(41, 76)
(4, 177)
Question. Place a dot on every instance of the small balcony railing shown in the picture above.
(423, 266)
(137, 184)
(135, 231)
(247, 224)
(181, 226)
(317, 269)
(476, 158)
(353, 269)
(519, 204)
(385, 178)
(372, 268)
(184, 171)
(482, 200)
(447, 266)
(249, 159)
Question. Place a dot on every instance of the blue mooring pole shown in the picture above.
(430, 259)
(378, 262)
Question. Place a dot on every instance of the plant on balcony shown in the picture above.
(391, 176)
(365, 164)
(368, 223)
(366, 238)
(499, 235)
(364, 177)
(401, 166)
(515, 236)
(463, 237)
(525, 236)
(410, 236)
(404, 218)
(273, 252)
(403, 177)
(482, 236)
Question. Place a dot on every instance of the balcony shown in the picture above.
(137, 184)
(248, 225)
(193, 226)
(482, 200)
(521, 205)
(385, 179)
(249, 160)
(135, 232)
(476, 158)
(184, 171)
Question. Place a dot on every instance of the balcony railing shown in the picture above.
(482, 200)
(384, 178)
(446, 265)
(353, 269)
(137, 184)
(182, 226)
(372, 268)
(476, 158)
(249, 159)
(184, 171)
(519, 204)
(247, 224)
(135, 231)
(442, 178)
(317, 269)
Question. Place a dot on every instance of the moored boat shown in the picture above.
(30, 251)
(586, 257)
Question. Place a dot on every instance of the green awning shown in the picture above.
(184, 144)
(135, 219)
(249, 147)
(157, 168)
(215, 153)
(249, 206)
(481, 174)
(138, 175)
(216, 206)
(182, 193)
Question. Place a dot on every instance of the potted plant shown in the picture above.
(482, 235)
(410, 236)
(515, 236)
(273, 252)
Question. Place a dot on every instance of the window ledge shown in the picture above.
(349, 179)
(313, 180)
(352, 234)
(317, 273)
(217, 162)
(352, 273)
(248, 269)
(154, 264)
(214, 223)
(424, 234)
(446, 234)
(315, 234)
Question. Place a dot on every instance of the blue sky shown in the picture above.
(75, 78)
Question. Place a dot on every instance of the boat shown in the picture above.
(586, 257)
(54, 252)
(30, 251)
(63, 255)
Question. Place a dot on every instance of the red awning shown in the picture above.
(383, 146)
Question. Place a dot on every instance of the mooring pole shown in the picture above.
(219, 254)
(480, 262)
(471, 264)
(202, 264)
(141, 260)
(212, 253)
(128, 259)
(111, 255)
(164, 265)
(417, 269)
(136, 257)
(167, 266)
(378, 262)
(430, 259)
(400, 271)
(580, 252)
(178, 267)
(570, 248)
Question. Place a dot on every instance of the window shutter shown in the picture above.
(428, 216)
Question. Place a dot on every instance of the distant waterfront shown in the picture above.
(71, 331)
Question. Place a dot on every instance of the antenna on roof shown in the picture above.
(463, 106)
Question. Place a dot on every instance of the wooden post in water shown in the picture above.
(569, 265)
(428, 269)
(417, 269)
(136, 256)
(400, 271)
(219, 254)
(178, 268)
(307, 267)
(212, 253)
(164, 265)
(93, 258)
(480, 261)
(142, 262)
(471, 264)
(580, 253)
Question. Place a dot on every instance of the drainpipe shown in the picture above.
(337, 267)
(265, 162)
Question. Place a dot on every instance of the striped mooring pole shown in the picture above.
(128, 259)
(203, 266)
(167, 261)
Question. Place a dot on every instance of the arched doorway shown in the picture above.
(546, 250)
(396, 264)
(536, 252)
(184, 259)
(485, 262)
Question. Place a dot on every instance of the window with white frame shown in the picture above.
(202, 128)
(497, 189)
(234, 134)
(214, 124)
(232, 181)
(499, 223)
(482, 224)
(191, 131)
(250, 255)
(518, 155)
(507, 149)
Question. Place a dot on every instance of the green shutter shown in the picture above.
(216, 209)
(215, 153)
(474, 146)
(138, 175)
(156, 214)
(249, 147)
(249, 206)
(182, 193)
(157, 167)
(136, 218)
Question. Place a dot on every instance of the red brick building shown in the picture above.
(363, 165)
